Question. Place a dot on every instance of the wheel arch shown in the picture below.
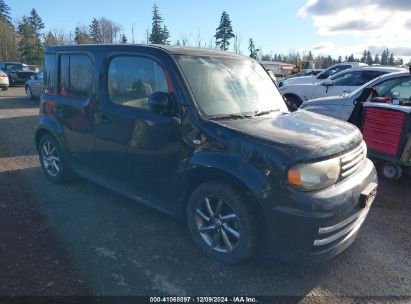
(48, 126)
(243, 178)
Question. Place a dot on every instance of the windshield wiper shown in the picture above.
(260, 113)
(231, 116)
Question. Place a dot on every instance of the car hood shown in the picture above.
(307, 135)
(301, 80)
(326, 100)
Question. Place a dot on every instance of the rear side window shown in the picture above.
(81, 76)
(49, 74)
(354, 78)
(76, 76)
(131, 80)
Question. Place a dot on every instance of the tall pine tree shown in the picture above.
(157, 29)
(391, 59)
(224, 32)
(377, 59)
(95, 32)
(384, 57)
(252, 49)
(27, 43)
(5, 11)
(368, 58)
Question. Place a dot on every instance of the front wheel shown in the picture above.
(52, 160)
(222, 223)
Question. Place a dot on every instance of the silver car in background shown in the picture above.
(393, 86)
(35, 86)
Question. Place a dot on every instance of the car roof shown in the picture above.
(174, 50)
(391, 75)
(389, 69)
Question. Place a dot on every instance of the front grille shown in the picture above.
(330, 235)
(351, 161)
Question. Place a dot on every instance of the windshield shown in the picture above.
(230, 86)
(14, 66)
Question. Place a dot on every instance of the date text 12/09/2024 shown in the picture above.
(206, 299)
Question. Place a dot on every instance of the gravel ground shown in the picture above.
(81, 239)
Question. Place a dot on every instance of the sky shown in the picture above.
(325, 27)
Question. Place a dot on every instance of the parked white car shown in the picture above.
(395, 86)
(342, 82)
(332, 70)
(4, 81)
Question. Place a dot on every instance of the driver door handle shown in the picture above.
(104, 120)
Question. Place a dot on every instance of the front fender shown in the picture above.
(226, 166)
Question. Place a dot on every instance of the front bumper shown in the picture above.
(326, 226)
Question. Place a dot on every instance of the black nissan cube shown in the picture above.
(205, 136)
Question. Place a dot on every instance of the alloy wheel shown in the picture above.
(218, 224)
(50, 158)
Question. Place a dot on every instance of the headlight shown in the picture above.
(314, 176)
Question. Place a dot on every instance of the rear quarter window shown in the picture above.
(50, 74)
(76, 76)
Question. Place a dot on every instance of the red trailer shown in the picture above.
(386, 129)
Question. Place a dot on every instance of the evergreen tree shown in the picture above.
(95, 32)
(339, 59)
(364, 56)
(123, 39)
(80, 36)
(377, 59)
(27, 43)
(36, 22)
(166, 35)
(369, 60)
(252, 49)
(384, 57)
(50, 39)
(224, 32)
(351, 58)
(399, 61)
(391, 60)
(5, 11)
(157, 30)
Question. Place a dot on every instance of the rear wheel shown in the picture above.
(222, 222)
(52, 160)
(391, 171)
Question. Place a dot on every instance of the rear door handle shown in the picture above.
(104, 120)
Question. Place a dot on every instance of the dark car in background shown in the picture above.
(206, 136)
(35, 86)
(17, 72)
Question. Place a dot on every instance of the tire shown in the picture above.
(222, 223)
(295, 101)
(52, 160)
(391, 171)
(4, 89)
(29, 93)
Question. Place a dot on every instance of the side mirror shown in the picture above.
(159, 102)
(328, 82)
(323, 76)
